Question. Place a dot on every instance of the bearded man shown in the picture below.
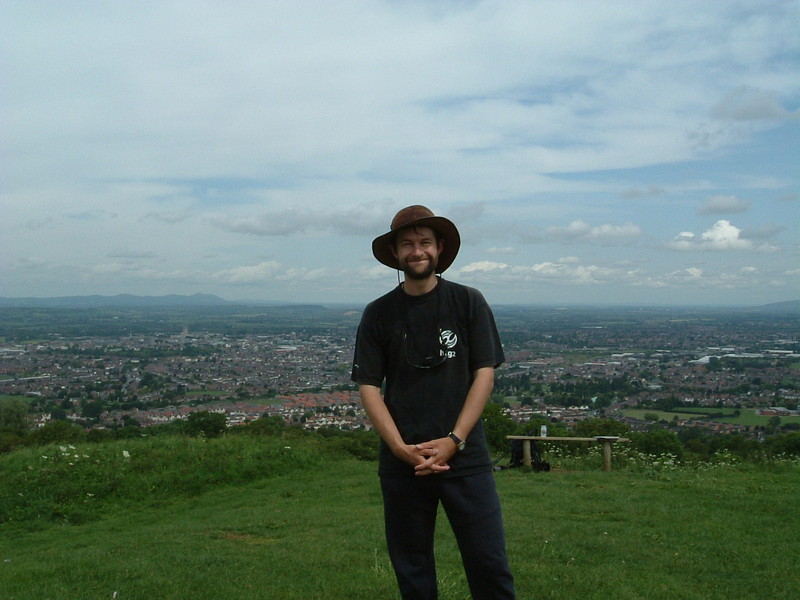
(435, 346)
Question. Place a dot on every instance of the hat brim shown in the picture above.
(382, 245)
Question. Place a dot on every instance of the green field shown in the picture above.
(747, 416)
(296, 519)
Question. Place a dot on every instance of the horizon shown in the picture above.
(254, 150)
(222, 301)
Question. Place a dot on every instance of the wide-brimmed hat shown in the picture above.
(418, 216)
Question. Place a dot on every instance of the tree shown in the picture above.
(497, 425)
(14, 414)
(206, 423)
(265, 425)
(93, 409)
(773, 424)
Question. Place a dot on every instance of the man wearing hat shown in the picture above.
(435, 345)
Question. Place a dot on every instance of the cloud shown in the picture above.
(567, 270)
(28, 263)
(747, 103)
(132, 254)
(638, 192)
(765, 232)
(697, 277)
(96, 214)
(483, 266)
(169, 217)
(722, 236)
(717, 205)
(266, 132)
(259, 273)
(363, 218)
(303, 274)
(581, 231)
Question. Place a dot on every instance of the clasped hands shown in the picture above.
(429, 458)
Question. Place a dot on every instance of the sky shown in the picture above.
(590, 152)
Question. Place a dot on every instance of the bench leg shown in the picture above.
(606, 456)
(526, 453)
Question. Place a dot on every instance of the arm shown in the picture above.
(443, 449)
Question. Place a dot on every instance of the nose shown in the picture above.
(418, 250)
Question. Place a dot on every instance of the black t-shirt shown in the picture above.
(426, 349)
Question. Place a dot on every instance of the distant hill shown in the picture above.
(790, 307)
(121, 301)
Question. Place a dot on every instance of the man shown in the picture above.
(435, 345)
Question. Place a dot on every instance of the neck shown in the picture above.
(418, 287)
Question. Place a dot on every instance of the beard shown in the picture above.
(419, 275)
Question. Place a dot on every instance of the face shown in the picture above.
(417, 250)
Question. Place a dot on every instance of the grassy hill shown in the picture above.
(300, 519)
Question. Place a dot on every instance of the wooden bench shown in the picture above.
(606, 440)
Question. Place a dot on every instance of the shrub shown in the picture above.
(206, 423)
(595, 427)
(57, 431)
(9, 439)
(657, 443)
(785, 444)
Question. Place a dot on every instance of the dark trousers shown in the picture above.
(473, 509)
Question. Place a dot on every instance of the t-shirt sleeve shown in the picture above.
(368, 357)
(486, 349)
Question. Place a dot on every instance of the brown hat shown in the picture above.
(418, 216)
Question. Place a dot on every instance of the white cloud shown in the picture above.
(567, 271)
(722, 236)
(261, 272)
(583, 231)
(483, 267)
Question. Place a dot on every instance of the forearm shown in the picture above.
(475, 402)
(441, 450)
(379, 416)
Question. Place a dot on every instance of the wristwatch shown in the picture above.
(460, 444)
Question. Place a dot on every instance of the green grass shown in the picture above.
(309, 527)
(17, 397)
(196, 393)
(747, 416)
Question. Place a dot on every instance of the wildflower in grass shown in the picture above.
(126, 455)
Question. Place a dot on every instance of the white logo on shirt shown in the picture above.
(448, 339)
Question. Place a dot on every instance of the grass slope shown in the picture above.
(315, 532)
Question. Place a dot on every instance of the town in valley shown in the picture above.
(107, 367)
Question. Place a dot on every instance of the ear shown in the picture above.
(393, 250)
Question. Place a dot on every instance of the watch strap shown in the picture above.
(458, 441)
